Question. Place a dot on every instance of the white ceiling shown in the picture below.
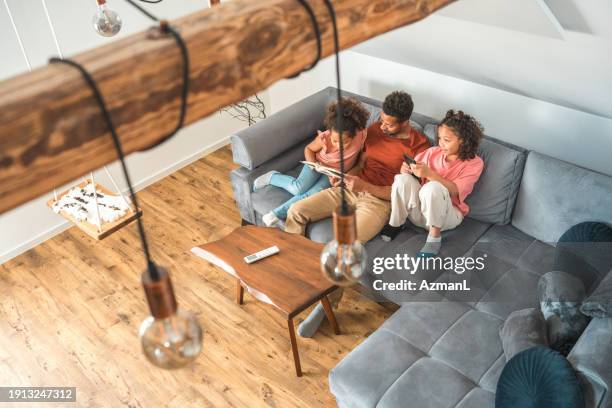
(527, 16)
(558, 51)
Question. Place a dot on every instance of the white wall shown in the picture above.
(561, 132)
(500, 43)
(32, 223)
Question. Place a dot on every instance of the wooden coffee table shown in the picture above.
(291, 280)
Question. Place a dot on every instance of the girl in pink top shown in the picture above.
(431, 193)
(324, 150)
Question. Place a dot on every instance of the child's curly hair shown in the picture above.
(354, 116)
(467, 129)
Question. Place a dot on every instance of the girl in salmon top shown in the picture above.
(323, 150)
(431, 193)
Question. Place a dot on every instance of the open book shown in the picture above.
(328, 171)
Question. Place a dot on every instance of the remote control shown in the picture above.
(261, 254)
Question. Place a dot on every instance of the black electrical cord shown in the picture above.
(100, 100)
(339, 113)
(164, 27)
(317, 32)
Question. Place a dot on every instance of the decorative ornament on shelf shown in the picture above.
(170, 338)
(106, 22)
(343, 259)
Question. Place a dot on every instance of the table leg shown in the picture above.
(239, 292)
(296, 356)
(330, 314)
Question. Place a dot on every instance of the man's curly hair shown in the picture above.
(354, 116)
(467, 129)
(399, 105)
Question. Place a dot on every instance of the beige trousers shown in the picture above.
(425, 206)
(371, 213)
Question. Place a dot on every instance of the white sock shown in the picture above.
(270, 219)
(432, 246)
(263, 180)
(311, 324)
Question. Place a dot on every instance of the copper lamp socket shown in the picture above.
(160, 294)
(345, 225)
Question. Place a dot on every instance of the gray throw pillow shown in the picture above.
(560, 295)
(599, 303)
(523, 329)
(431, 131)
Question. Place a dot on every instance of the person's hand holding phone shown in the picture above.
(421, 170)
(405, 169)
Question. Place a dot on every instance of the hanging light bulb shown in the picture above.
(343, 260)
(170, 337)
(106, 22)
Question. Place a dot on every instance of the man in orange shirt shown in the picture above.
(368, 184)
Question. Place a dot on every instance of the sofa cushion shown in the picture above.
(555, 195)
(477, 398)
(360, 380)
(268, 198)
(495, 192)
(427, 383)
(427, 346)
(585, 251)
(587, 357)
(409, 241)
(431, 132)
(471, 345)
(522, 330)
(560, 295)
(321, 231)
(599, 303)
(538, 378)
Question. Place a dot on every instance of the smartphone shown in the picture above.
(409, 159)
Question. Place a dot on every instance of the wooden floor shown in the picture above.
(70, 310)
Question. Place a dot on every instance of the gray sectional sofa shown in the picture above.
(437, 350)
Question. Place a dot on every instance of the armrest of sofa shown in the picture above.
(242, 178)
(591, 358)
(268, 138)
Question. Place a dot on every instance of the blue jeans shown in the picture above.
(306, 184)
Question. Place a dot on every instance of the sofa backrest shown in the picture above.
(494, 194)
(267, 139)
(555, 195)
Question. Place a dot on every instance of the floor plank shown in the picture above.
(70, 310)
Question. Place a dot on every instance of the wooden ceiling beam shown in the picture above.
(52, 132)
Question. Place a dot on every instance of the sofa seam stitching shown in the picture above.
(425, 353)
(465, 396)
(489, 369)
(446, 331)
